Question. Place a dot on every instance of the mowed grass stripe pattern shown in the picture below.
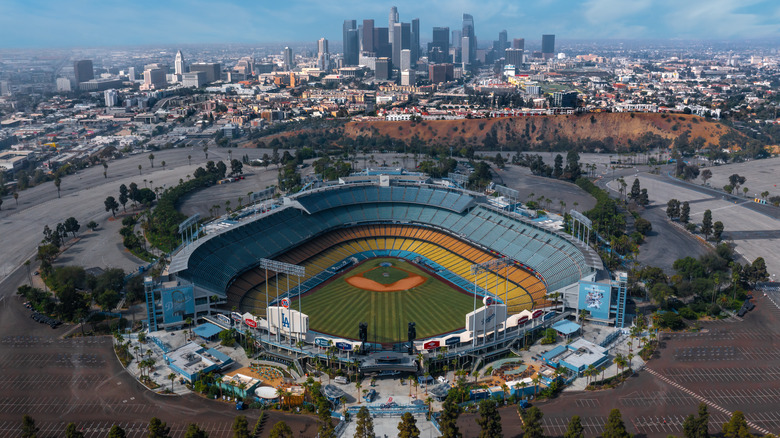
(337, 308)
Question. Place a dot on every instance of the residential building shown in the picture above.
(111, 97)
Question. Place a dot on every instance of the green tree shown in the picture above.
(489, 419)
(124, 196)
(158, 429)
(736, 427)
(644, 198)
(194, 431)
(558, 166)
(281, 430)
(685, 212)
(407, 427)
(29, 430)
(111, 205)
(57, 183)
(116, 432)
(697, 426)
(365, 424)
(705, 175)
(717, 230)
(615, 428)
(575, 429)
(673, 209)
(448, 421)
(240, 427)
(636, 190)
(151, 159)
(71, 431)
(706, 224)
(532, 423)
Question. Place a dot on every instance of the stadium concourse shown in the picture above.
(504, 260)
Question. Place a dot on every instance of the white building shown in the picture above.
(408, 77)
(195, 79)
(63, 85)
(111, 97)
(178, 64)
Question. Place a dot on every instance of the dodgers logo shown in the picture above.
(285, 321)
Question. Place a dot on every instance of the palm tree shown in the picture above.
(358, 385)
(163, 164)
(218, 381)
(16, 198)
(139, 169)
(535, 381)
(151, 160)
(411, 381)
(189, 160)
(57, 182)
(172, 377)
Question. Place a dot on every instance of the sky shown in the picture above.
(100, 23)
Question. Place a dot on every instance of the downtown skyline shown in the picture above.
(49, 24)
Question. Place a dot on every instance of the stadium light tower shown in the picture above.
(287, 269)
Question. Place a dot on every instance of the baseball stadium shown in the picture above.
(385, 255)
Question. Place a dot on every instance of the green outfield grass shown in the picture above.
(337, 308)
(378, 274)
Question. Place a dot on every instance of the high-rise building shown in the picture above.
(501, 44)
(408, 77)
(288, 59)
(402, 39)
(415, 44)
(154, 79)
(514, 57)
(213, 70)
(350, 42)
(439, 73)
(548, 46)
(518, 43)
(131, 74)
(465, 55)
(111, 98)
(456, 36)
(406, 60)
(439, 47)
(83, 71)
(178, 64)
(382, 71)
(382, 46)
(63, 85)
(368, 36)
(393, 19)
(468, 32)
(195, 79)
(565, 99)
(323, 56)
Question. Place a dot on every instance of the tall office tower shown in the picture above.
(178, 64)
(288, 59)
(391, 23)
(514, 57)
(349, 25)
(548, 46)
(406, 60)
(323, 57)
(352, 49)
(154, 79)
(518, 43)
(368, 36)
(465, 56)
(408, 77)
(213, 70)
(468, 32)
(501, 44)
(111, 97)
(439, 47)
(382, 71)
(131, 74)
(402, 40)
(415, 44)
(83, 71)
(384, 48)
(456, 36)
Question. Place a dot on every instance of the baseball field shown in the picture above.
(386, 293)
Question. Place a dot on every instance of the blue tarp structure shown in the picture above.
(207, 330)
(565, 327)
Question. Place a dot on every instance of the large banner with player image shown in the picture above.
(595, 298)
(287, 320)
(177, 302)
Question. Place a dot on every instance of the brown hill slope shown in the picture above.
(621, 129)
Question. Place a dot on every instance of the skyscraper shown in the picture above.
(131, 73)
(501, 44)
(406, 60)
(348, 29)
(548, 46)
(288, 59)
(468, 32)
(178, 64)
(83, 71)
(439, 47)
(402, 39)
(456, 36)
(382, 45)
(391, 23)
(111, 97)
(518, 43)
(368, 36)
(465, 55)
(514, 57)
(323, 57)
(382, 71)
(415, 44)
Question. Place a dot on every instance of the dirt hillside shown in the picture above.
(611, 129)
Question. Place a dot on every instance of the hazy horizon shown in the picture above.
(46, 24)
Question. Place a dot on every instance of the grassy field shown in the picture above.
(338, 307)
